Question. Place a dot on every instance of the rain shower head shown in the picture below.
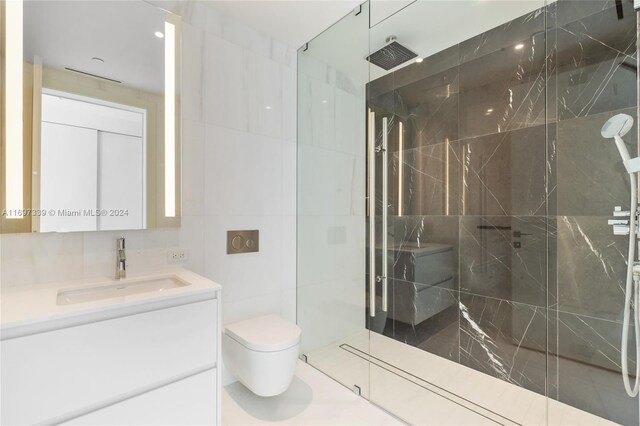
(615, 128)
(391, 55)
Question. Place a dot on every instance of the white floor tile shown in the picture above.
(312, 399)
(444, 392)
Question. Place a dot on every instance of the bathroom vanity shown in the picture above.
(142, 350)
(424, 281)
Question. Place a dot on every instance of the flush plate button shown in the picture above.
(246, 241)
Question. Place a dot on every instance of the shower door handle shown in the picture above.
(385, 210)
(371, 207)
(372, 150)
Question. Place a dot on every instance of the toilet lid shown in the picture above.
(268, 333)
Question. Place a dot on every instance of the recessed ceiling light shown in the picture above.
(158, 34)
(418, 60)
(96, 59)
(267, 107)
(324, 101)
(519, 46)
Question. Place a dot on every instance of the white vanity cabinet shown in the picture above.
(155, 366)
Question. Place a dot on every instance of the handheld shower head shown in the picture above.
(615, 128)
(619, 124)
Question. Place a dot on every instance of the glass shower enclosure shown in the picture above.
(455, 264)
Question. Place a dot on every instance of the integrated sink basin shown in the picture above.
(118, 289)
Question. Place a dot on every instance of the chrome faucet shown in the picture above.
(121, 260)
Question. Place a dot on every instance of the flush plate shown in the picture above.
(247, 241)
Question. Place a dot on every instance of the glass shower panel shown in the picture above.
(592, 47)
(461, 217)
(455, 264)
(331, 254)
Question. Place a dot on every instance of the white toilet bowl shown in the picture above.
(262, 352)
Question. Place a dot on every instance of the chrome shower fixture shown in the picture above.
(391, 55)
(615, 128)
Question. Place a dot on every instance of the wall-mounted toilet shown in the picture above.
(262, 352)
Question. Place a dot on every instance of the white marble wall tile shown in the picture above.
(249, 307)
(289, 178)
(193, 175)
(317, 120)
(249, 274)
(284, 54)
(350, 318)
(192, 238)
(318, 326)
(314, 68)
(288, 259)
(243, 173)
(156, 243)
(248, 158)
(264, 94)
(334, 240)
(214, 20)
(192, 72)
(29, 259)
(358, 186)
(32, 259)
(312, 266)
(329, 190)
(249, 39)
(289, 304)
(193, 12)
(350, 119)
(225, 93)
(174, 6)
(100, 252)
(246, 37)
(304, 110)
(289, 103)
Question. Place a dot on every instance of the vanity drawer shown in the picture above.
(191, 401)
(67, 371)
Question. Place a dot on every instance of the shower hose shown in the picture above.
(631, 288)
(632, 283)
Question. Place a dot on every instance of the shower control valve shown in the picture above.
(617, 211)
(620, 229)
(621, 222)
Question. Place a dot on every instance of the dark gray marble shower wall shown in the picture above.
(504, 191)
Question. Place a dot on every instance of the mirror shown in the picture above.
(90, 116)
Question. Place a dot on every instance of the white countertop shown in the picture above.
(33, 309)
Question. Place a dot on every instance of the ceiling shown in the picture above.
(121, 33)
(106, 29)
(288, 21)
